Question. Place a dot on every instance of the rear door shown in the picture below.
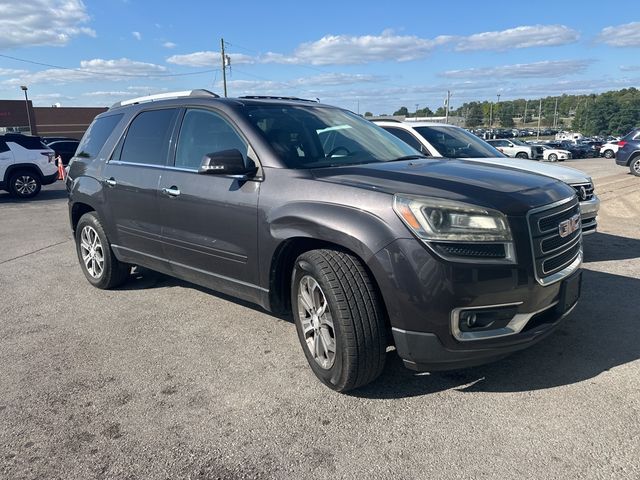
(6, 159)
(131, 178)
(210, 221)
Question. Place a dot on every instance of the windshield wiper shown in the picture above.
(408, 157)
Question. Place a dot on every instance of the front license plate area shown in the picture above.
(570, 292)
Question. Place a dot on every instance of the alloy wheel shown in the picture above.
(317, 323)
(92, 252)
(25, 185)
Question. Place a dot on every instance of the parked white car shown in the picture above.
(442, 140)
(551, 154)
(25, 165)
(517, 148)
(609, 149)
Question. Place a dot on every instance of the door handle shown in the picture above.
(172, 191)
(111, 182)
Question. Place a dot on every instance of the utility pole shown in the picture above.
(417, 105)
(224, 66)
(490, 115)
(539, 119)
(555, 115)
(446, 115)
(26, 102)
(524, 119)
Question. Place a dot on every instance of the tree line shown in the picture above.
(615, 112)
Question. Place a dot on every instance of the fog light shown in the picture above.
(485, 319)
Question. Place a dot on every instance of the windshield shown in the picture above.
(454, 142)
(315, 136)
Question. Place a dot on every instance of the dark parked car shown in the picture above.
(65, 149)
(310, 209)
(628, 154)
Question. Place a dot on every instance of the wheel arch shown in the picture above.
(22, 166)
(282, 265)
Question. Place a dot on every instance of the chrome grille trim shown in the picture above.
(537, 236)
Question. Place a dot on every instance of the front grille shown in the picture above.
(583, 190)
(552, 253)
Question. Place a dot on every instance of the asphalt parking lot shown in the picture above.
(162, 379)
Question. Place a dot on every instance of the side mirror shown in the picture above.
(225, 162)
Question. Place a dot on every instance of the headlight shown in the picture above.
(457, 230)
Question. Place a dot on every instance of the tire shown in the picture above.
(553, 157)
(634, 166)
(355, 326)
(522, 155)
(609, 154)
(98, 263)
(24, 184)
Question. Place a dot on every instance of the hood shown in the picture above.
(564, 174)
(511, 191)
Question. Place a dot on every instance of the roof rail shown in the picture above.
(274, 97)
(164, 96)
(386, 120)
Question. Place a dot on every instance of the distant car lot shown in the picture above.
(161, 379)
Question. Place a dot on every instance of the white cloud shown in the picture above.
(523, 70)
(630, 68)
(97, 68)
(518, 37)
(137, 35)
(285, 87)
(208, 59)
(42, 22)
(627, 35)
(169, 45)
(6, 72)
(125, 93)
(347, 49)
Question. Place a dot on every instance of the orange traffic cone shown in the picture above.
(61, 172)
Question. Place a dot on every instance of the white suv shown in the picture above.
(25, 165)
(442, 140)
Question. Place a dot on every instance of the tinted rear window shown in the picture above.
(26, 141)
(97, 134)
(147, 140)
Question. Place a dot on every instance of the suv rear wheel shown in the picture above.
(522, 155)
(99, 264)
(339, 318)
(634, 166)
(24, 184)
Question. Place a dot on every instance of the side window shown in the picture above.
(205, 132)
(499, 143)
(407, 138)
(3, 147)
(96, 135)
(147, 139)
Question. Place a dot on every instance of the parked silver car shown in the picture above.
(442, 140)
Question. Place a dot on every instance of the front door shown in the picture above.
(210, 221)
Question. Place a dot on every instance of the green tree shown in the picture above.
(368, 114)
(506, 117)
(402, 111)
(475, 115)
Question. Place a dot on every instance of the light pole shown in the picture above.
(26, 102)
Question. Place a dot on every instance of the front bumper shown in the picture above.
(588, 215)
(422, 294)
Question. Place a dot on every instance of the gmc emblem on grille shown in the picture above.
(569, 226)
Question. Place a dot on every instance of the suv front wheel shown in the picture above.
(24, 184)
(339, 318)
(99, 264)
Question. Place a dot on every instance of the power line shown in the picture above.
(108, 74)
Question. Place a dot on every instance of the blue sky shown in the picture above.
(366, 56)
